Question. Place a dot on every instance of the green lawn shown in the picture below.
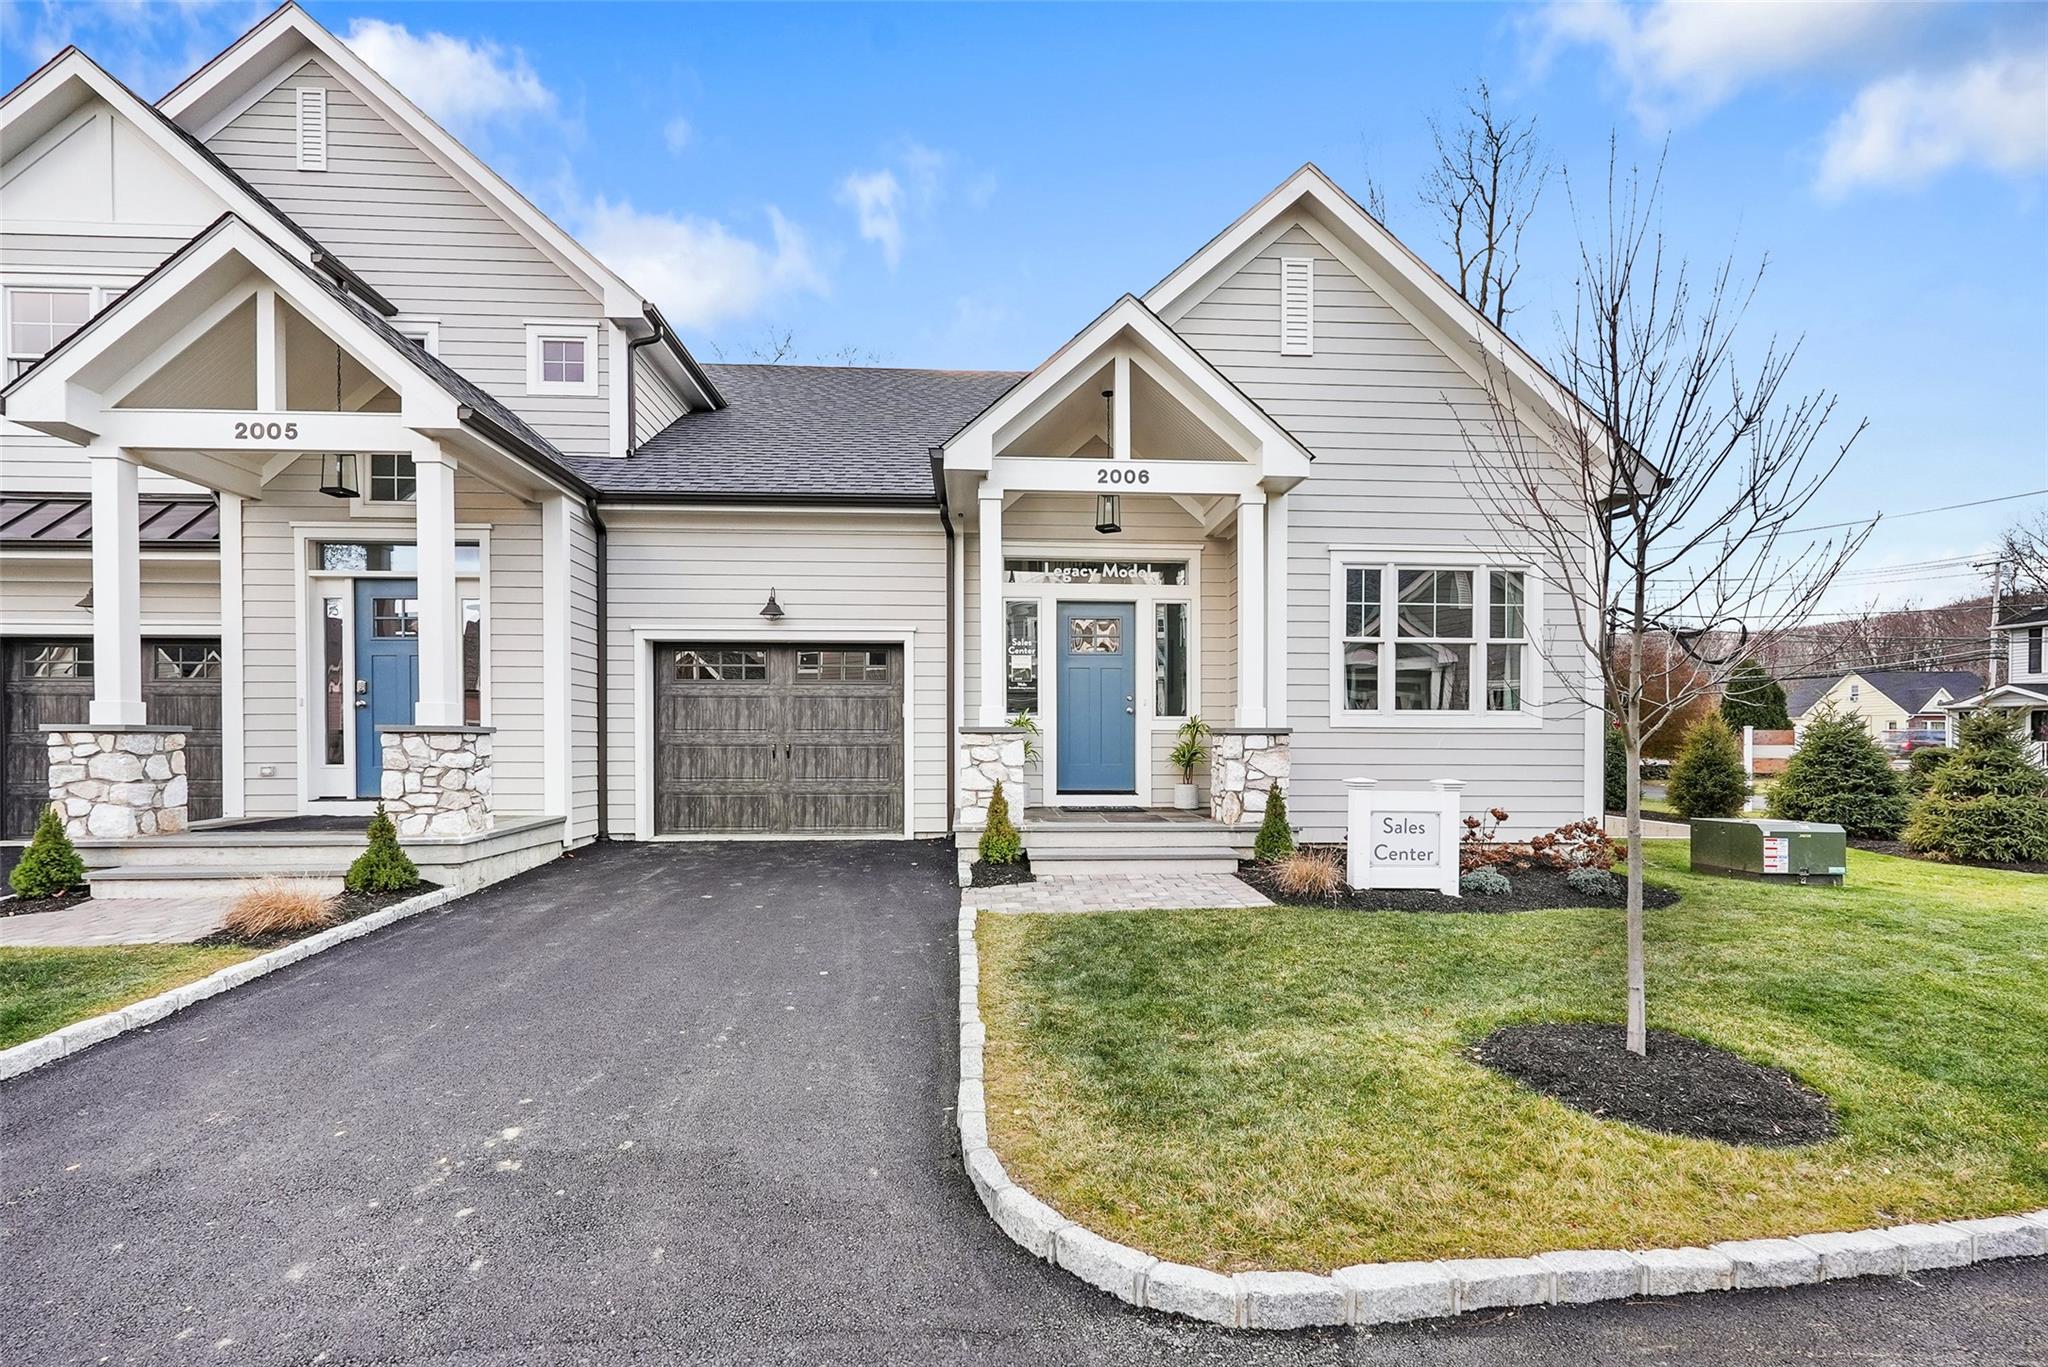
(1287, 1088)
(44, 989)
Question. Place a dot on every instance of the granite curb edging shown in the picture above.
(81, 1035)
(1390, 1293)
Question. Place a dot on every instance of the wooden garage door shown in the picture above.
(49, 683)
(778, 740)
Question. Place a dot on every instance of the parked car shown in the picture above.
(1917, 738)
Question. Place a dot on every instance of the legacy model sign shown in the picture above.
(1406, 839)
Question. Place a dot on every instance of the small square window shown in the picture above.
(37, 320)
(561, 358)
(392, 617)
(1095, 636)
(392, 478)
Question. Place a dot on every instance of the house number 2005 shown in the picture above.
(1122, 474)
(260, 431)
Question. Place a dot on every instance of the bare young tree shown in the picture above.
(1656, 483)
(778, 346)
(2023, 553)
(1489, 175)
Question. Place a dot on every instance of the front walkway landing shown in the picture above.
(117, 921)
(1118, 892)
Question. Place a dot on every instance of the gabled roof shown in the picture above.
(1914, 690)
(21, 107)
(2005, 695)
(182, 521)
(2026, 617)
(805, 433)
(1397, 274)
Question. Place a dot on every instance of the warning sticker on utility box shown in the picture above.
(1777, 854)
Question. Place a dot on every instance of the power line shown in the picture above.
(1917, 512)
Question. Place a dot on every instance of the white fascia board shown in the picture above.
(19, 112)
(212, 90)
(1185, 373)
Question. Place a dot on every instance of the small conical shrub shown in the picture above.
(1275, 840)
(1990, 802)
(1840, 775)
(383, 867)
(50, 866)
(1709, 779)
(1000, 843)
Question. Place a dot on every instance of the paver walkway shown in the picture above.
(126, 921)
(1118, 892)
(672, 1104)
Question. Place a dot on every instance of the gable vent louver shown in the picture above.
(312, 128)
(1297, 306)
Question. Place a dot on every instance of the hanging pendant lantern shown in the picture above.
(1108, 514)
(340, 472)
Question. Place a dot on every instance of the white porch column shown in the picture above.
(1251, 610)
(116, 590)
(440, 609)
(994, 653)
(1276, 610)
(556, 650)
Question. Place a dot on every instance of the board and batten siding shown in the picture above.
(428, 243)
(1041, 521)
(1387, 415)
(711, 570)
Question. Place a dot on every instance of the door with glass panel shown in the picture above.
(387, 680)
(1098, 703)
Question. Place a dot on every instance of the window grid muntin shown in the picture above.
(563, 360)
(60, 660)
(185, 661)
(41, 317)
(1095, 636)
(714, 665)
(838, 664)
(394, 618)
(393, 478)
(1367, 649)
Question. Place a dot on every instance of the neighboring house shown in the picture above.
(326, 448)
(1888, 700)
(2025, 690)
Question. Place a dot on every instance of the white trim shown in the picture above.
(424, 330)
(583, 331)
(624, 386)
(233, 686)
(1277, 579)
(557, 649)
(1387, 560)
(647, 638)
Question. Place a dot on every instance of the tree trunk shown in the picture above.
(1638, 1013)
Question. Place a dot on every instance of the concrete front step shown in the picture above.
(171, 855)
(133, 882)
(1050, 859)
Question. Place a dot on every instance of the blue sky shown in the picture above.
(967, 186)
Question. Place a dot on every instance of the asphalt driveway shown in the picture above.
(664, 1104)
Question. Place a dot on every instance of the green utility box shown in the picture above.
(1773, 851)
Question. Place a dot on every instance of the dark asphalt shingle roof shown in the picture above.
(1911, 689)
(807, 432)
(2026, 617)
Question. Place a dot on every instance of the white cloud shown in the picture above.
(462, 84)
(1906, 129)
(700, 271)
(1681, 59)
(876, 198)
(676, 133)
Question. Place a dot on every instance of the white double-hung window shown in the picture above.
(1426, 640)
(38, 319)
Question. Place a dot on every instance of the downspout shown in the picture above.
(604, 664)
(952, 646)
(633, 388)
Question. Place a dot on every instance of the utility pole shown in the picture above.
(1997, 568)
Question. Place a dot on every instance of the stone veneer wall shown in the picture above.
(116, 783)
(988, 756)
(437, 780)
(1244, 766)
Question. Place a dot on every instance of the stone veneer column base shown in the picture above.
(1244, 766)
(437, 779)
(988, 755)
(118, 782)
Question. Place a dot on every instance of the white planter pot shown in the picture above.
(1185, 798)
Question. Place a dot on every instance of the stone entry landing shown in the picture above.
(1119, 892)
(101, 921)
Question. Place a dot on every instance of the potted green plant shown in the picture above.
(1189, 750)
(1028, 724)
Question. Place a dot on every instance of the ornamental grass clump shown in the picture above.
(383, 867)
(1840, 775)
(1275, 840)
(1990, 802)
(50, 866)
(1709, 779)
(1000, 843)
(1309, 873)
(279, 906)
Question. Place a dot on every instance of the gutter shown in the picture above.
(698, 375)
(512, 441)
(938, 457)
(364, 290)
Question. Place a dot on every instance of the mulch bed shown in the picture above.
(1531, 889)
(1905, 851)
(345, 907)
(987, 875)
(29, 906)
(1683, 1086)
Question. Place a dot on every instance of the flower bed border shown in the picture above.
(80, 1035)
(1388, 1293)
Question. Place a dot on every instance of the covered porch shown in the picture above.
(1124, 531)
(2027, 701)
(363, 490)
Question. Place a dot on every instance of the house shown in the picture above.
(1888, 700)
(334, 471)
(2025, 690)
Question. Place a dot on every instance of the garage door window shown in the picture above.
(720, 666)
(842, 666)
(187, 661)
(61, 662)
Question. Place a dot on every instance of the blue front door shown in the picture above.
(387, 669)
(1098, 750)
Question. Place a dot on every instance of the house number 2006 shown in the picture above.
(260, 431)
(1122, 474)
